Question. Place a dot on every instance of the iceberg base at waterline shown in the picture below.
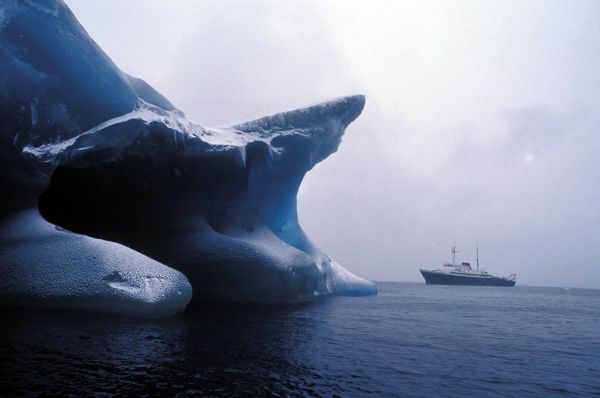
(47, 267)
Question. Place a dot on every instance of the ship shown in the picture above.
(464, 274)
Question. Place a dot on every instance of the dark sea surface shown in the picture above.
(413, 340)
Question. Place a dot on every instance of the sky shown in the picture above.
(481, 123)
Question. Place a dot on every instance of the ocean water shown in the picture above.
(413, 340)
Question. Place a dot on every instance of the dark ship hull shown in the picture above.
(441, 278)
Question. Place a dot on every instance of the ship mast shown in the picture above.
(478, 256)
(454, 251)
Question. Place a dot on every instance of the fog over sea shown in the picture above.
(412, 340)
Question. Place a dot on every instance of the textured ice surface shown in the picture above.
(45, 266)
(103, 154)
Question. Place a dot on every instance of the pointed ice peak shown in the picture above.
(344, 109)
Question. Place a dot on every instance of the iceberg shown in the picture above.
(102, 154)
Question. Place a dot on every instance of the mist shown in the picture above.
(480, 124)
